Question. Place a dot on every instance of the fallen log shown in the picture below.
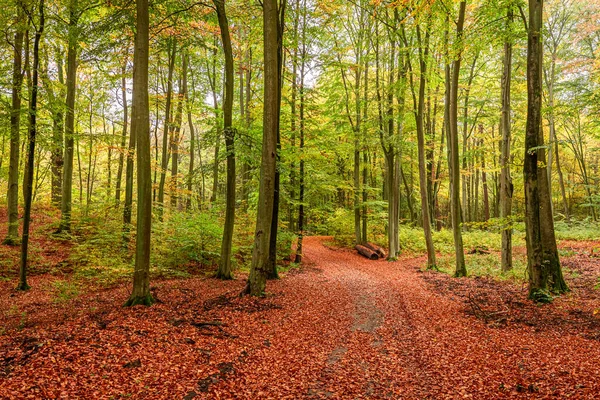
(366, 252)
(378, 250)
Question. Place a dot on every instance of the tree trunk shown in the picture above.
(419, 107)
(542, 255)
(31, 151)
(124, 135)
(140, 121)
(224, 271)
(299, 248)
(15, 137)
(175, 138)
(461, 269)
(67, 188)
(272, 268)
(171, 51)
(190, 177)
(58, 126)
(506, 186)
(260, 252)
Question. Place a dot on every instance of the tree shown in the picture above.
(260, 252)
(419, 111)
(272, 267)
(31, 149)
(224, 271)
(506, 185)
(171, 53)
(140, 121)
(15, 136)
(460, 269)
(543, 263)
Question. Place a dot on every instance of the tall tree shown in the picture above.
(543, 263)
(15, 136)
(506, 185)
(260, 252)
(423, 48)
(171, 52)
(224, 271)
(460, 268)
(140, 121)
(39, 29)
(72, 50)
(124, 133)
(272, 268)
(302, 189)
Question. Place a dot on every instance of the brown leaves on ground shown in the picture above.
(343, 328)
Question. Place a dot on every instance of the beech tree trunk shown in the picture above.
(260, 252)
(299, 248)
(67, 188)
(460, 269)
(171, 51)
(506, 186)
(175, 138)
(12, 236)
(140, 124)
(31, 150)
(224, 271)
(124, 134)
(272, 268)
(419, 111)
(188, 106)
(543, 263)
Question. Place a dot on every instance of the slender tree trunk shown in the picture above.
(58, 126)
(190, 177)
(124, 135)
(67, 188)
(562, 184)
(128, 206)
(301, 217)
(260, 252)
(246, 168)
(175, 139)
(12, 237)
(31, 151)
(419, 106)
(461, 269)
(506, 186)
(172, 51)
(212, 78)
(224, 271)
(140, 121)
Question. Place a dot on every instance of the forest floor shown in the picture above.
(340, 327)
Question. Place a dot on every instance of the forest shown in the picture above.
(289, 199)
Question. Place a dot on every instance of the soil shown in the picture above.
(341, 327)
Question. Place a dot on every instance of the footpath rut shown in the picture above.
(403, 340)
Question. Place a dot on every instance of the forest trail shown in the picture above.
(342, 327)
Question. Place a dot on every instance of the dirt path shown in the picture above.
(342, 328)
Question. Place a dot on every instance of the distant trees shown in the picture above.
(370, 123)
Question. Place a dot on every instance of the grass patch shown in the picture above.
(486, 265)
(65, 291)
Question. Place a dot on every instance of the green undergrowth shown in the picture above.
(486, 265)
(183, 245)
